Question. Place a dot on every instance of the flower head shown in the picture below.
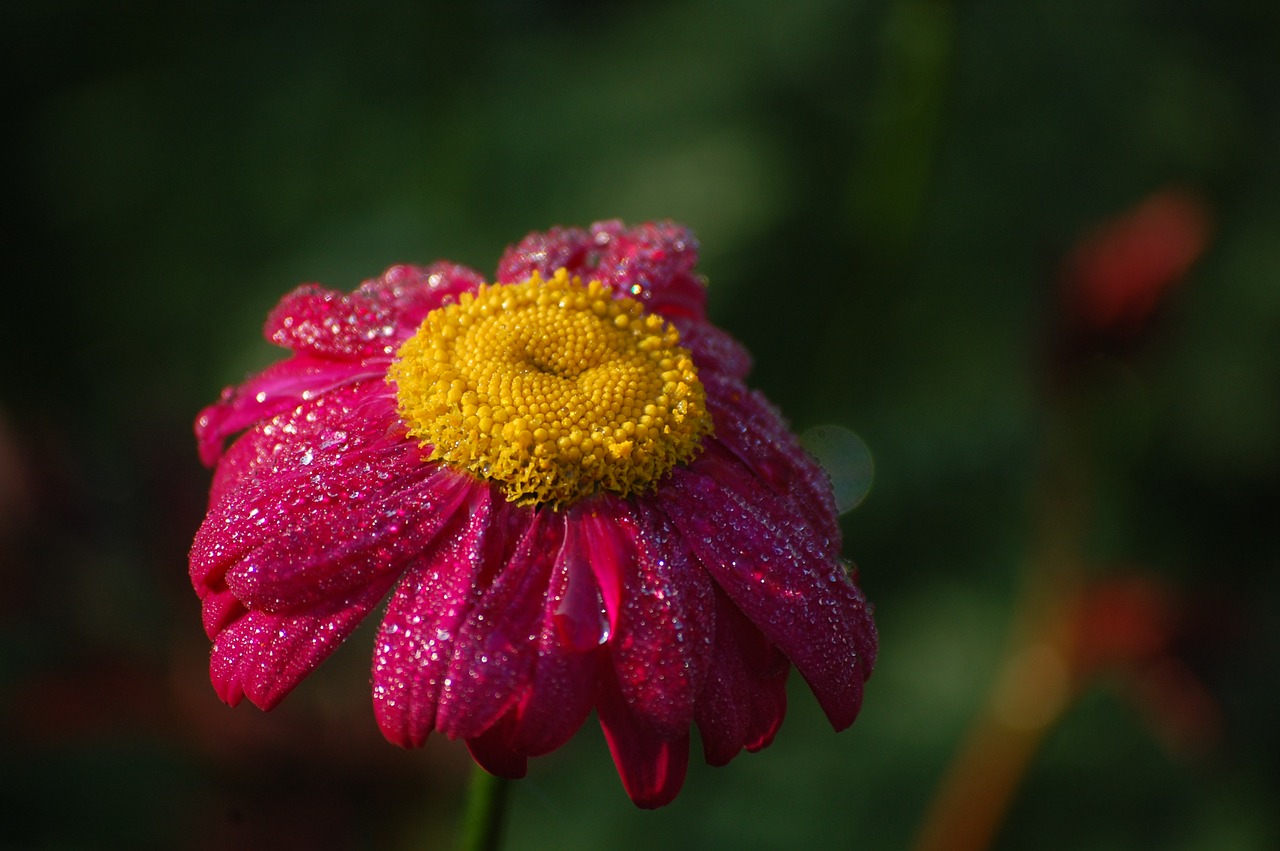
(565, 491)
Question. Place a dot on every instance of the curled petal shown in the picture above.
(652, 768)
(776, 567)
(592, 549)
(262, 655)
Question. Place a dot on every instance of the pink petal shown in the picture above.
(654, 263)
(492, 753)
(496, 647)
(745, 698)
(275, 390)
(652, 768)
(415, 643)
(662, 637)
(327, 551)
(312, 503)
(713, 350)
(370, 322)
(778, 569)
(562, 689)
(544, 253)
(263, 655)
(591, 542)
(754, 431)
(218, 610)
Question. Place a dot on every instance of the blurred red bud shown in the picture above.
(1118, 273)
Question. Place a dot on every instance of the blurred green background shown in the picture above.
(885, 192)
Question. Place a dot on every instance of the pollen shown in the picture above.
(554, 388)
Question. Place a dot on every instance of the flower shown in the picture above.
(567, 493)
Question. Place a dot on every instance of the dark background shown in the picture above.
(885, 191)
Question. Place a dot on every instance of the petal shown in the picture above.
(745, 698)
(492, 753)
(662, 638)
(370, 322)
(263, 655)
(277, 389)
(562, 689)
(654, 263)
(652, 768)
(327, 551)
(559, 248)
(415, 642)
(313, 503)
(777, 568)
(713, 350)
(755, 432)
(218, 610)
(496, 647)
(591, 541)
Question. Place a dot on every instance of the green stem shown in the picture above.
(486, 804)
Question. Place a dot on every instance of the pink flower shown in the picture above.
(565, 489)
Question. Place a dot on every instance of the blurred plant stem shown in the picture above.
(1035, 684)
(486, 808)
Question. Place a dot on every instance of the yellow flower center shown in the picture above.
(554, 388)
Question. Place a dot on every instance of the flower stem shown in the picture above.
(486, 804)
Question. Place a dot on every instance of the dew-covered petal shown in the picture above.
(661, 641)
(370, 322)
(776, 567)
(218, 608)
(546, 251)
(496, 647)
(652, 768)
(322, 499)
(713, 350)
(652, 262)
(755, 432)
(332, 548)
(415, 643)
(263, 655)
(271, 472)
(562, 689)
(325, 431)
(745, 697)
(277, 389)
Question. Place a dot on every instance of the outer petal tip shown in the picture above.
(652, 768)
